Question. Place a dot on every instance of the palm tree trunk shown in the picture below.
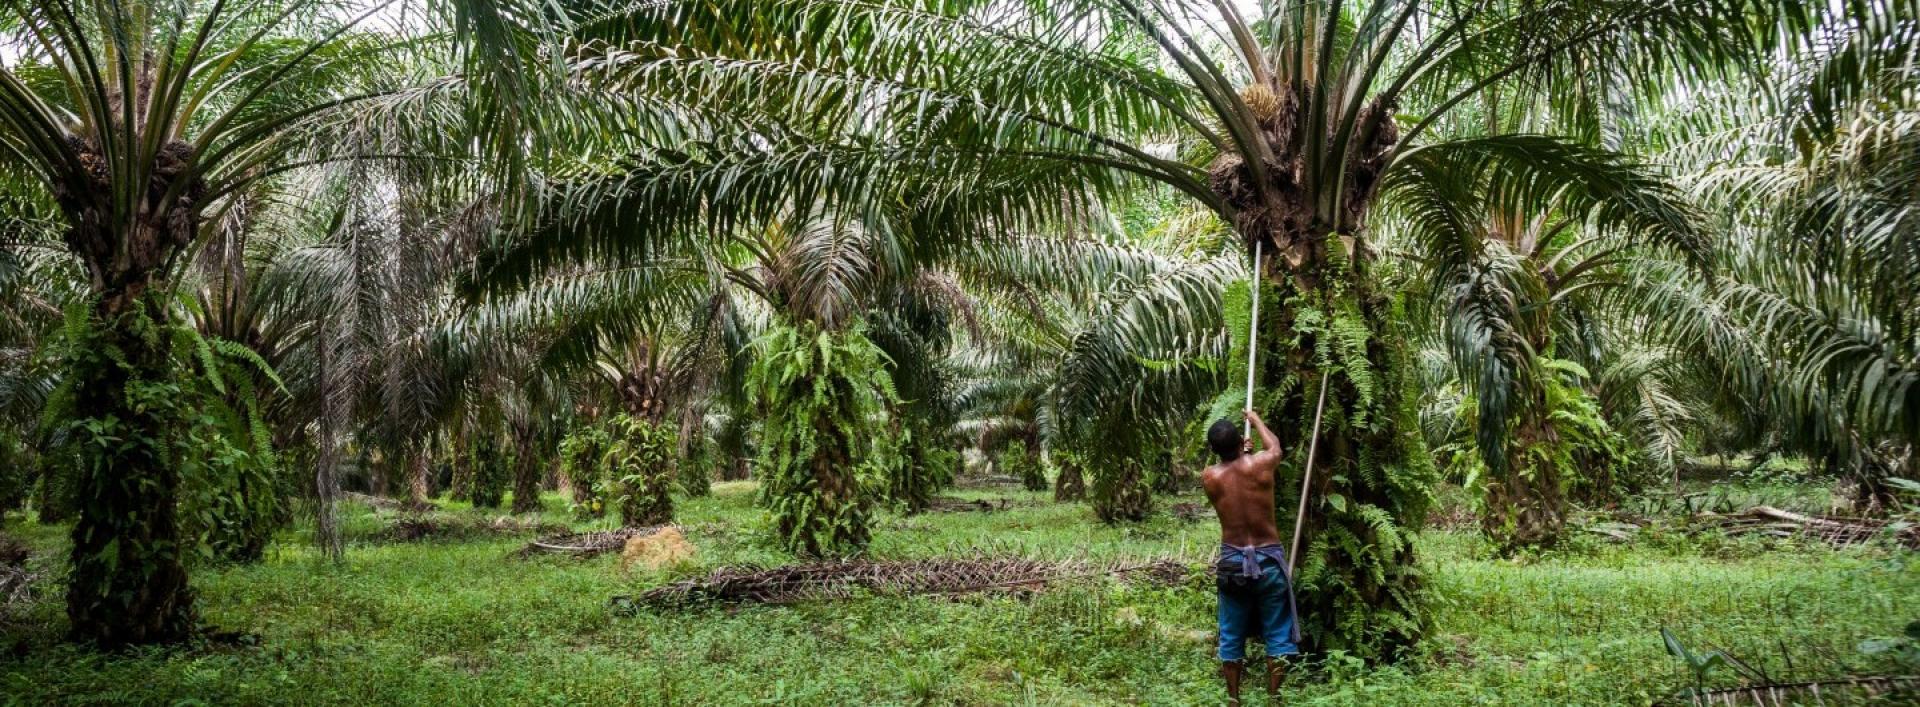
(1526, 506)
(326, 480)
(420, 477)
(1357, 577)
(1070, 485)
(526, 472)
(127, 585)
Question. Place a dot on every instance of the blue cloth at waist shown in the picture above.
(1251, 555)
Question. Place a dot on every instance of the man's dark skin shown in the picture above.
(1241, 490)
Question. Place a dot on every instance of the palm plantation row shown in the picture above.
(260, 252)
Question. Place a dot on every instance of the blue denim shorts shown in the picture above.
(1259, 610)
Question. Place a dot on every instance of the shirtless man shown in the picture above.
(1256, 596)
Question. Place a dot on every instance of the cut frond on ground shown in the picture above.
(1893, 689)
(987, 481)
(961, 505)
(585, 544)
(1767, 521)
(379, 503)
(842, 580)
(1188, 511)
(436, 526)
(1839, 532)
(16, 582)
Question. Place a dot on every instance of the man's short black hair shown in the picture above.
(1225, 440)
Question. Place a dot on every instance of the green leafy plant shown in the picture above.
(639, 460)
(1699, 665)
(1022, 462)
(824, 450)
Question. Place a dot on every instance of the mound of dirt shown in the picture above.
(656, 550)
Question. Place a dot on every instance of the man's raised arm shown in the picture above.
(1269, 444)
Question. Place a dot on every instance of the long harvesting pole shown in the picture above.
(1313, 445)
(1253, 340)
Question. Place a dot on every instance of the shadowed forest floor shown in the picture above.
(461, 621)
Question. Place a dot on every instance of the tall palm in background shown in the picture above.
(1513, 256)
(1810, 168)
(143, 123)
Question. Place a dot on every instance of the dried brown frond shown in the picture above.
(937, 576)
(585, 544)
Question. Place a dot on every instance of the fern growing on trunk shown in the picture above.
(824, 452)
(640, 459)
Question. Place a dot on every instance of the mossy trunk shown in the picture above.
(1326, 318)
(640, 453)
(53, 500)
(925, 468)
(696, 457)
(838, 522)
(1069, 484)
(1121, 490)
(644, 504)
(128, 585)
(527, 471)
(1525, 504)
(490, 472)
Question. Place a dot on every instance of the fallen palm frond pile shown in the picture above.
(945, 504)
(1796, 693)
(585, 544)
(1768, 521)
(841, 580)
(378, 503)
(416, 527)
(1188, 511)
(16, 582)
(986, 480)
(1839, 532)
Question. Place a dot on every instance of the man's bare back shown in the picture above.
(1241, 491)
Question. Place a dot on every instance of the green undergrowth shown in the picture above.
(460, 621)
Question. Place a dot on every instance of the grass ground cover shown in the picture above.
(461, 621)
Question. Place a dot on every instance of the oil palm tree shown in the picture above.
(143, 123)
(1513, 253)
(1813, 318)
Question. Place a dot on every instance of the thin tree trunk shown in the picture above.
(326, 480)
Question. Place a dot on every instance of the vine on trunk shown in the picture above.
(1019, 461)
(164, 459)
(925, 468)
(639, 458)
(583, 461)
(1359, 583)
(824, 453)
(490, 468)
(1558, 448)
